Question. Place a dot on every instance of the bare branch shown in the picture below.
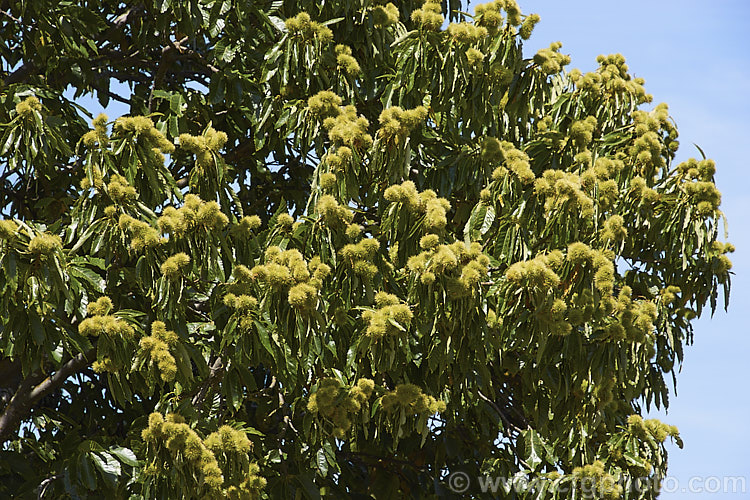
(113, 96)
(11, 16)
(167, 55)
(214, 377)
(500, 412)
(35, 387)
(20, 74)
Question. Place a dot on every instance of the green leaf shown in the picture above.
(533, 448)
(125, 455)
(322, 462)
(308, 487)
(37, 330)
(86, 472)
(106, 463)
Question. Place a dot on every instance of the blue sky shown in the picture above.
(694, 56)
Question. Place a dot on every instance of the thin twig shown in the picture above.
(502, 415)
(43, 485)
(214, 377)
(8, 14)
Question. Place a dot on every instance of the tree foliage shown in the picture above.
(335, 249)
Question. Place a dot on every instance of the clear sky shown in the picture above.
(695, 56)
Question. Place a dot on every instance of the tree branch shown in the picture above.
(112, 95)
(8, 14)
(167, 56)
(42, 490)
(35, 387)
(377, 460)
(20, 74)
(214, 377)
(500, 412)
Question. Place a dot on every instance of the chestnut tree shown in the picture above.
(335, 249)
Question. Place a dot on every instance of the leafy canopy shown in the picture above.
(336, 249)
